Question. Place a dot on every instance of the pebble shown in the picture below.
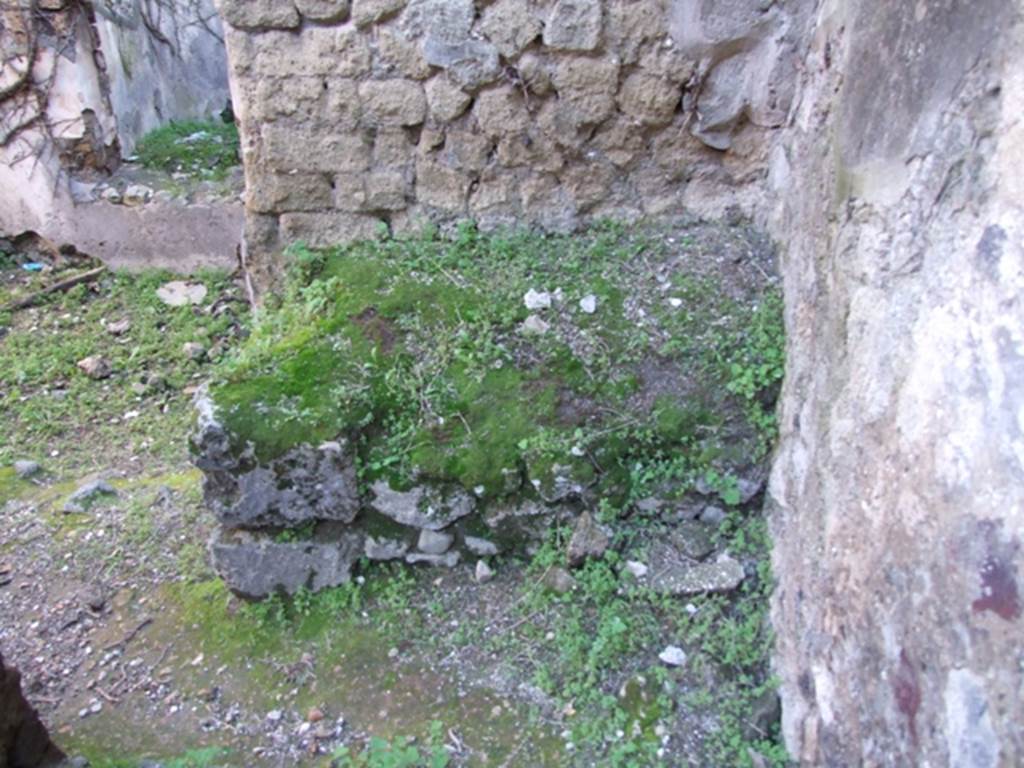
(193, 350)
(589, 304)
(637, 569)
(483, 572)
(534, 324)
(537, 299)
(673, 655)
(435, 542)
(95, 367)
(178, 293)
(274, 715)
(24, 468)
(119, 327)
(712, 515)
(314, 715)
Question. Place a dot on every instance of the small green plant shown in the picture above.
(401, 752)
(204, 150)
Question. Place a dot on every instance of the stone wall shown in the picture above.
(527, 112)
(899, 483)
(79, 83)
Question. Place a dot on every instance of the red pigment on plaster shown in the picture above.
(907, 692)
(998, 589)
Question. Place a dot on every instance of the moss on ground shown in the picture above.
(415, 350)
(202, 150)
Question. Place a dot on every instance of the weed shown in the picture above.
(204, 150)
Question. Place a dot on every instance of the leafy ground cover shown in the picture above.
(201, 150)
(517, 674)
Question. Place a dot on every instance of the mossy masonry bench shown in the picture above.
(434, 399)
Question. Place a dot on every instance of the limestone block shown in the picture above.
(422, 506)
(386, 191)
(323, 230)
(304, 484)
(340, 52)
(397, 54)
(278, 97)
(530, 150)
(466, 150)
(392, 148)
(259, 14)
(511, 25)
(494, 191)
(274, 192)
(445, 21)
(446, 100)
(257, 566)
(470, 63)
(369, 11)
(648, 99)
(293, 149)
(588, 184)
(573, 25)
(545, 202)
(633, 24)
(439, 186)
(619, 142)
(586, 88)
(501, 111)
(392, 102)
(324, 11)
(342, 111)
(349, 192)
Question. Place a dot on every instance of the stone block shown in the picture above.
(534, 73)
(366, 12)
(648, 99)
(257, 566)
(392, 148)
(619, 141)
(342, 110)
(396, 54)
(586, 89)
(467, 151)
(386, 191)
(501, 111)
(440, 187)
(259, 14)
(635, 24)
(470, 63)
(443, 21)
(445, 100)
(275, 192)
(278, 97)
(323, 11)
(422, 506)
(323, 230)
(574, 25)
(339, 52)
(350, 192)
(495, 191)
(588, 185)
(392, 103)
(511, 25)
(290, 149)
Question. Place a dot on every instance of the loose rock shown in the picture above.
(178, 293)
(435, 542)
(723, 575)
(25, 468)
(559, 580)
(194, 350)
(589, 304)
(95, 367)
(537, 299)
(119, 327)
(534, 325)
(673, 655)
(588, 541)
(483, 573)
(86, 493)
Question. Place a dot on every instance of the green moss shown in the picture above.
(11, 486)
(412, 349)
(205, 150)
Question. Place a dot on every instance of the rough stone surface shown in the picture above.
(897, 494)
(587, 540)
(303, 485)
(547, 114)
(671, 576)
(26, 468)
(24, 742)
(434, 542)
(256, 566)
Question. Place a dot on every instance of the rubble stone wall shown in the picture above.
(899, 483)
(527, 112)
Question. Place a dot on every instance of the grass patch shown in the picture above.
(203, 150)
(48, 406)
(415, 350)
